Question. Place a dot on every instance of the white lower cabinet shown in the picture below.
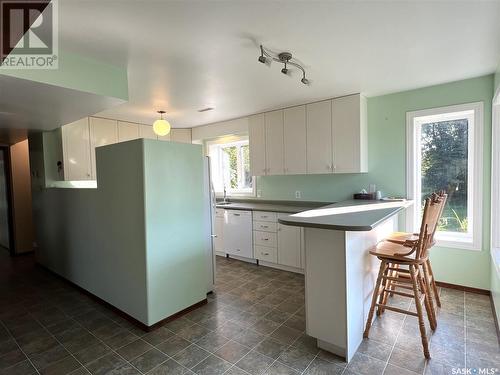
(290, 246)
(219, 230)
(237, 231)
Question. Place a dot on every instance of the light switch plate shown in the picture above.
(298, 194)
(259, 193)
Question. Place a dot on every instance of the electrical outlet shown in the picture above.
(298, 194)
(259, 193)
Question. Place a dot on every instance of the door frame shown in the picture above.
(5, 149)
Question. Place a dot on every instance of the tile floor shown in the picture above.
(253, 324)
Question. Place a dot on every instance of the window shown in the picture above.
(444, 147)
(230, 165)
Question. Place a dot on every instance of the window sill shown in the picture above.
(458, 244)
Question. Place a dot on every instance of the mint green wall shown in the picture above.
(79, 73)
(387, 158)
(497, 78)
(174, 211)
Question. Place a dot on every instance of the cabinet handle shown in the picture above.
(265, 253)
(236, 214)
(264, 226)
(265, 239)
(238, 250)
(264, 217)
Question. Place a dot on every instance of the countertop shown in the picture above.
(351, 215)
(291, 207)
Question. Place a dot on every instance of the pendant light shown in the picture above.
(161, 127)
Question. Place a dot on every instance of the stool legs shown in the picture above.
(376, 291)
(421, 324)
(433, 283)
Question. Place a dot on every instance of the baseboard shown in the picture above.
(281, 267)
(463, 288)
(121, 313)
(495, 317)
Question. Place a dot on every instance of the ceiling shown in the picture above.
(182, 56)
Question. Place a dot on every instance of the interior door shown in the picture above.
(5, 238)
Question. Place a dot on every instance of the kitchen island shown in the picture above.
(340, 273)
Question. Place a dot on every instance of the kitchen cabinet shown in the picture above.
(349, 134)
(294, 140)
(237, 231)
(218, 231)
(257, 143)
(146, 132)
(102, 132)
(180, 135)
(289, 245)
(76, 150)
(319, 137)
(164, 137)
(127, 131)
(274, 142)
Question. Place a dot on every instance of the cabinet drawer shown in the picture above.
(219, 212)
(264, 216)
(264, 226)
(264, 239)
(267, 254)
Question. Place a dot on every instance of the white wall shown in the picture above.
(220, 129)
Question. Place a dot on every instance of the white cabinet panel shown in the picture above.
(102, 132)
(164, 137)
(76, 150)
(127, 131)
(265, 216)
(264, 239)
(180, 135)
(289, 246)
(294, 140)
(349, 134)
(146, 131)
(319, 137)
(237, 232)
(219, 233)
(257, 143)
(274, 142)
(267, 254)
(264, 226)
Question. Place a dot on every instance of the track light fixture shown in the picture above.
(284, 58)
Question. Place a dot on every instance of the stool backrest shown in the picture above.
(433, 208)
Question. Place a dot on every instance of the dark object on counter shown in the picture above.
(366, 196)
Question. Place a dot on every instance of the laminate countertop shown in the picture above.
(351, 215)
(291, 207)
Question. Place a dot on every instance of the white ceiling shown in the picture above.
(186, 55)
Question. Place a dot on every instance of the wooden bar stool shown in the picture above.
(402, 266)
(408, 238)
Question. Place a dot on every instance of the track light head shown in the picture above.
(262, 59)
(304, 80)
(285, 70)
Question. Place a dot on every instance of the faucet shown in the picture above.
(225, 196)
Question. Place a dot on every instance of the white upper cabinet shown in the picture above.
(180, 135)
(274, 142)
(127, 131)
(257, 142)
(102, 132)
(76, 150)
(146, 131)
(349, 134)
(294, 140)
(319, 137)
(164, 137)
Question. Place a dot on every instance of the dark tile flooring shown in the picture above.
(253, 324)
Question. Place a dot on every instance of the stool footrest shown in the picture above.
(385, 307)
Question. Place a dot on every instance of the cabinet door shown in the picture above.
(218, 231)
(294, 140)
(102, 132)
(127, 131)
(349, 134)
(164, 137)
(274, 142)
(146, 131)
(76, 150)
(319, 137)
(289, 246)
(257, 143)
(180, 135)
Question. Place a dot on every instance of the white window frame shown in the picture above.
(414, 120)
(228, 141)
(495, 186)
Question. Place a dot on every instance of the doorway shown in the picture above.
(6, 237)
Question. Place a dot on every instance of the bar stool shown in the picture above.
(402, 265)
(408, 238)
